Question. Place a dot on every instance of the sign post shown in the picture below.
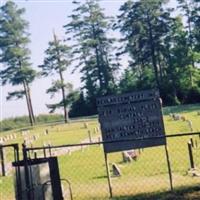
(134, 117)
(169, 167)
(108, 174)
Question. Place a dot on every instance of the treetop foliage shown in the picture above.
(160, 44)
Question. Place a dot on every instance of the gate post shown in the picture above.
(3, 170)
(26, 170)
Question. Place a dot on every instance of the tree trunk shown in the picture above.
(153, 56)
(190, 42)
(64, 98)
(171, 74)
(160, 68)
(30, 101)
(190, 33)
(28, 104)
(66, 115)
(30, 111)
(99, 70)
(28, 98)
(101, 83)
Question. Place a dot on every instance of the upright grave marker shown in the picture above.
(131, 121)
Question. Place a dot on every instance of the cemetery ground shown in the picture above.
(145, 178)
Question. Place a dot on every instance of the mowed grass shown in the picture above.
(146, 178)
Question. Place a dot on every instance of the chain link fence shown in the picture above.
(138, 172)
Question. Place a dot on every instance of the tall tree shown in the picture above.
(14, 54)
(175, 53)
(144, 25)
(191, 13)
(196, 30)
(57, 60)
(93, 48)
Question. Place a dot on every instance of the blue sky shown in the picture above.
(44, 16)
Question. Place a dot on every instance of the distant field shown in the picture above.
(85, 167)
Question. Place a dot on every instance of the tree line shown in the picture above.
(162, 45)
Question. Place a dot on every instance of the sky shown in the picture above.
(44, 16)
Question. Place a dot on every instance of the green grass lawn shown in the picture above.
(85, 168)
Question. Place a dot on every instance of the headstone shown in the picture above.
(116, 170)
(126, 157)
(85, 125)
(190, 125)
(176, 117)
(47, 131)
(140, 151)
(89, 136)
(183, 118)
(133, 154)
(95, 130)
(34, 137)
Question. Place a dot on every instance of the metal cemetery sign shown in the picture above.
(134, 116)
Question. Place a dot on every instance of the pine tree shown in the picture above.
(191, 12)
(15, 55)
(196, 30)
(57, 60)
(144, 25)
(92, 48)
(175, 54)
